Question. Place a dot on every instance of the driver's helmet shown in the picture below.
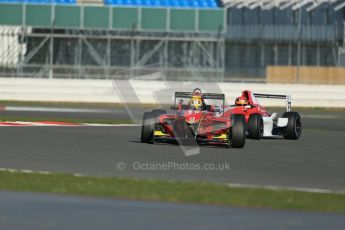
(196, 102)
(241, 101)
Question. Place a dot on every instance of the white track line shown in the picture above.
(111, 125)
(300, 189)
(28, 171)
(30, 124)
(58, 110)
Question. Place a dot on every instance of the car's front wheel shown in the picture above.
(237, 136)
(148, 127)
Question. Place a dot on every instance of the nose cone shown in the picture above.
(193, 116)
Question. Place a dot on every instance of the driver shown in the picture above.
(196, 102)
(241, 101)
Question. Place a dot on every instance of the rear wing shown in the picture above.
(215, 96)
(276, 96)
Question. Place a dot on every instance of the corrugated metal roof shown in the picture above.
(283, 4)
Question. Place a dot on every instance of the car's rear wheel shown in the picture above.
(237, 136)
(256, 126)
(293, 130)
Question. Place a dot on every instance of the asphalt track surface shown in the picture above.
(41, 211)
(123, 114)
(317, 160)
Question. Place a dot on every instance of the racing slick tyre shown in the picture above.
(256, 126)
(237, 136)
(293, 129)
(148, 127)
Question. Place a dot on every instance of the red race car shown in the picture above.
(200, 120)
(259, 123)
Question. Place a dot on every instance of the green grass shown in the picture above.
(69, 120)
(182, 192)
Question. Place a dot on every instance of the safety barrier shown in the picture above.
(305, 75)
(102, 91)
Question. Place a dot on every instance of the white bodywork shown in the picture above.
(268, 124)
(269, 121)
(282, 122)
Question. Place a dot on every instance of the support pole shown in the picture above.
(299, 44)
(80, 51)
(51, 45)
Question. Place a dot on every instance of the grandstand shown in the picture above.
(62, 2)
(165, 3)
(261, 33)
(219, 40)
(130, 3)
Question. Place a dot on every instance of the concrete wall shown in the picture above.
(59, 90)
(307, 75)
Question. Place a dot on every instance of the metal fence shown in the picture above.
(57, 48)
(96, 42)
(27, 52)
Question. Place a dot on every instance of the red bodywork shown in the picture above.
(205, 125)
(252, 107)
